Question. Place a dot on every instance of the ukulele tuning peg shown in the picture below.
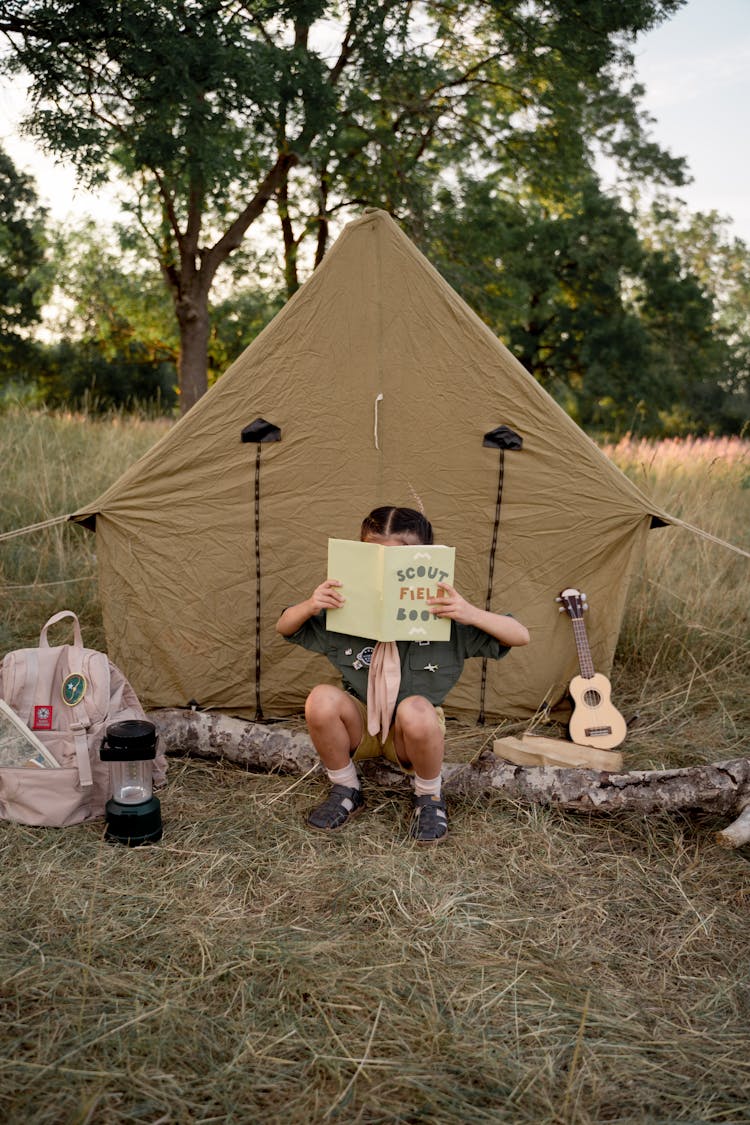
(558, 599)
(561, 609)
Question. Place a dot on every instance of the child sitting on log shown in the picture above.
(389, 701)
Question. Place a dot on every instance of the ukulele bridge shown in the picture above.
(597, 732)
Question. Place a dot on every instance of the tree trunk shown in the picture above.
(195, 329)
(720, 787)
(291, 247)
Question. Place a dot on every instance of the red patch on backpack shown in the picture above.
(42, 717)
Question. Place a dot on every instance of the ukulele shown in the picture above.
(595, 721)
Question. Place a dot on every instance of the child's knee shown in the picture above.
(323, 703)
(417, 717)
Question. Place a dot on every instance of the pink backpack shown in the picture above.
(67, 695)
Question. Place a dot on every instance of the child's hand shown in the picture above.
(449, 603)
(326, 596)
(504, 628)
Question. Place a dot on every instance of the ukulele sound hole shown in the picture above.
(592, 698)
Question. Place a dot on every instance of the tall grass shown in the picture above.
(539, 967)
(52, 464)
(683, 661)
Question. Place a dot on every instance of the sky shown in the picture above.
(696, 69)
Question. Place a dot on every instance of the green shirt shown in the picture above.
(428, 668)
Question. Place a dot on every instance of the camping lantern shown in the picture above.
(133, 813)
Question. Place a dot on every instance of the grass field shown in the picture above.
(540, 967)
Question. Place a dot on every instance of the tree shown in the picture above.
(212, 109)
(116, 343)
(704, 249)
(622, 332)
(24, 277)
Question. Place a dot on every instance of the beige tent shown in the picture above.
(380, 385)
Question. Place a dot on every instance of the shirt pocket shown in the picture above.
(431, 673)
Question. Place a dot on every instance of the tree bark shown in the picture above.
(195, 329)
(291, 247)
(190, 282)
(719, 787)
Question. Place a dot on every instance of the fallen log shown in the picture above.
(719, 787)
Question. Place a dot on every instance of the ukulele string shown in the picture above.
(589, 694)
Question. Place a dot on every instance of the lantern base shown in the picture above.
(133, 824)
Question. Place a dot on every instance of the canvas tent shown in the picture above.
(375, 384)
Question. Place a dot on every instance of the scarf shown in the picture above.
(383, 683)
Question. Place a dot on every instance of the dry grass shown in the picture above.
(683, 661)
(536, 968)
(52, 465)
(539, 967)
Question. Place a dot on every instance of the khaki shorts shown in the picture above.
(370, 745)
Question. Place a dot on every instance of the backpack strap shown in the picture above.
(81, 721)
(77, 639)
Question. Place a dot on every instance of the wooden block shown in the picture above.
(557, 753)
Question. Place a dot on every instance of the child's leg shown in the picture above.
(418, 736)
(335, 723)
(419, 739)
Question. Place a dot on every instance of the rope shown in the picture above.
(375, 433)
(43, 585)
(707, 535)
(35, 527)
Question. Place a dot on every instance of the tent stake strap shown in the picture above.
(259, 432)
(501, 438)
(258, 706)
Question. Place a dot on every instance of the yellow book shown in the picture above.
(386, 590)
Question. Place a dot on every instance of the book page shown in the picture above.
(359, 566)
(19, 746)
(411, 575)
(386, 590)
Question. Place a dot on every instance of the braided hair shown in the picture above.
(391, 521)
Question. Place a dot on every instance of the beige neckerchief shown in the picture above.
(383, 683)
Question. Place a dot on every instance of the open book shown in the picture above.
(386, 590)
(19, 746)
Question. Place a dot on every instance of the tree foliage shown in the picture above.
(24, 277)
(627, 332)
(214, 109)
(702, 246)
(116, 345)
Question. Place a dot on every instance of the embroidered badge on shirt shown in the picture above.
(42, 717)
(73, 689)
(364, 656)
(430, 667)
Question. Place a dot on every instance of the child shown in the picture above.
(344, 722)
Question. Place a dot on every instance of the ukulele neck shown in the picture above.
(582, 645)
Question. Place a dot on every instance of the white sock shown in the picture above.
(348, 776)
(424, 787)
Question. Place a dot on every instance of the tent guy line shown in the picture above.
(35, 527)
(672, 519)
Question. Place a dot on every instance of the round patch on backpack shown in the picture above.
(73, 689)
